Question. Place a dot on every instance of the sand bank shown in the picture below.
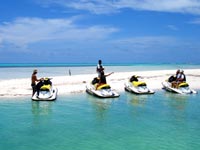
(77, 83)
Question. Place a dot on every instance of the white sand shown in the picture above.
(77, 83)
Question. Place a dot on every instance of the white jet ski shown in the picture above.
(183, 88)
(103, 91)
(137, 87)
(47, 92)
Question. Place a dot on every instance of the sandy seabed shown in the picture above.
(77, 83)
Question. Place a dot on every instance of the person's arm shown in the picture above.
(39, 79)
(109, 74)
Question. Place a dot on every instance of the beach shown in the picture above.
(77, 83)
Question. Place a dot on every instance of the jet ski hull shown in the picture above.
(180, 90)
(49, 95)
(137, 90)
(102, 93)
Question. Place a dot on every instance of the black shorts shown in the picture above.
(33, 86)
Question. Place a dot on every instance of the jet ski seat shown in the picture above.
(103, 86)
(45, 87)
(138, 83)
(183, 84)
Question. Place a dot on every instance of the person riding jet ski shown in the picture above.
(173, 79)
(178, 84)
(99, 87)
(102, 79)
(134, 78)
(136, 86)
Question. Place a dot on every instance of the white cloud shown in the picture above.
(24, 31)
(182, 6)
(93, 6)
(97, 6)
(110, 6)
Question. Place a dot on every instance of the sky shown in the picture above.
(115, 31)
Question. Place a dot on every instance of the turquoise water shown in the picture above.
(2, 65)
(17, 71)
(161, 121)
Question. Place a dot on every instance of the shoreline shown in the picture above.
(76, 83)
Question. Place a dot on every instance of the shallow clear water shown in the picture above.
(161, 121)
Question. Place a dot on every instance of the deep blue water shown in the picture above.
(161, 121)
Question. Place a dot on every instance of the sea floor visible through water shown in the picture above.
(161, 121)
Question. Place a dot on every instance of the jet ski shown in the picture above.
(183, 88)
(45, 91)
(137, 87)
(102, 91)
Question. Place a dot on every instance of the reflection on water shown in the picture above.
(178, 101)
(100, 106)
(41, 108)
(176, 96)
(137, 100)
(177, 105)
(41, 111)
(137, 105)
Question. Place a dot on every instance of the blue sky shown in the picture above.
(116, 31)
